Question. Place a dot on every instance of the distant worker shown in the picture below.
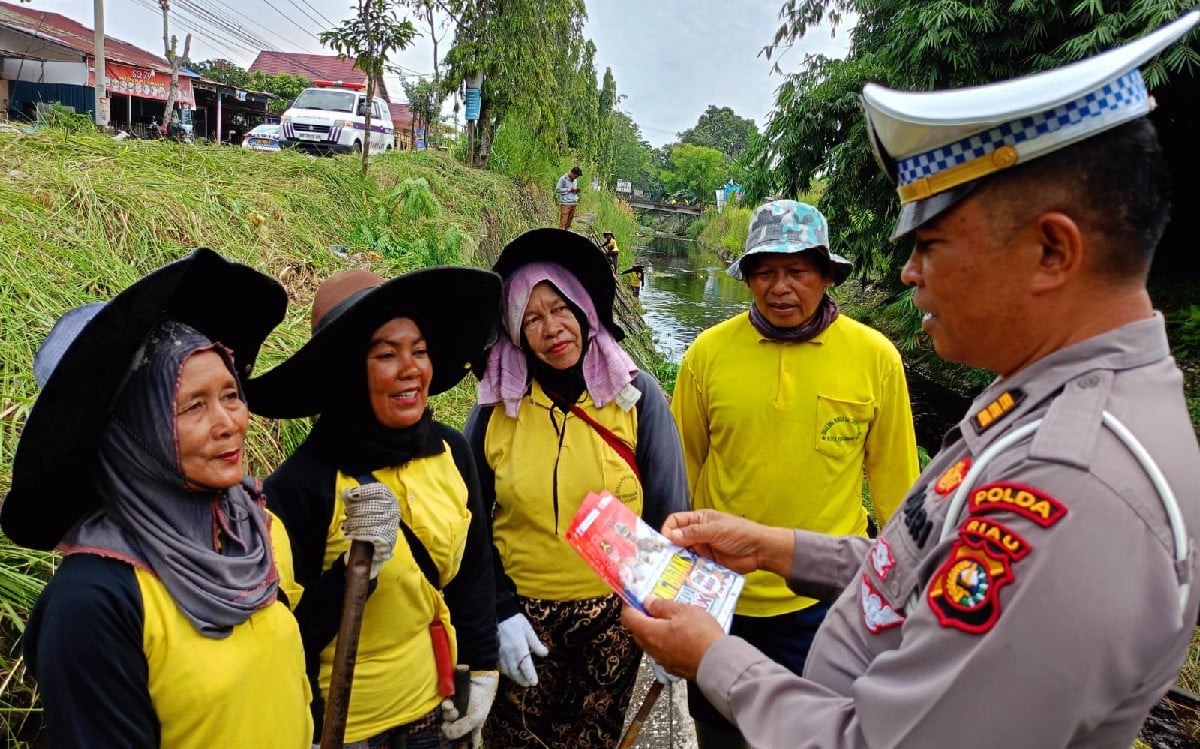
(637, 277)
(790, 394)
(568, 196)
(1060, 517)
(610, 249)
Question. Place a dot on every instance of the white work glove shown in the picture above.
(660, 674)
(518, 644)
(479, 703)
(372, 515)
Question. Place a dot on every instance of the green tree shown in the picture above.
(370, 36)
(605, 125)
(695, 172)
(633, 158)
(222, 71)
(722, 129)
(286, 87)
(283, 85)
(817, 126)
(424, 102)
(528, 54)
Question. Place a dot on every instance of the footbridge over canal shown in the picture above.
(649, 205)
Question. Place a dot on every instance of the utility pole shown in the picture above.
(101, 91)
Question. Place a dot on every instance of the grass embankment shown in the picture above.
(83, 216)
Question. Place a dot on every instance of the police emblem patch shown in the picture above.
(953, 477)
(882, 560)
(965, 591)
(878, 614)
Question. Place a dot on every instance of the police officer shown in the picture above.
(1038, 587)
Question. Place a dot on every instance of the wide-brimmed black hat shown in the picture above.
(84, 361)
(456, 308)
(579, 255)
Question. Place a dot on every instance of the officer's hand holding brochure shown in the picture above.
(638, 561)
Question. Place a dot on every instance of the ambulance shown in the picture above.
(330, 118)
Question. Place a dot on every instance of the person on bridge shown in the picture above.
(564, 411)
(167, 622)
(567, 190)
(1042, 584)
(790, 394)
(379, 348)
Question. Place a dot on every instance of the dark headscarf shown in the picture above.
(211, 548)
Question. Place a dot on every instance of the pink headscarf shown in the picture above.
(608, 371)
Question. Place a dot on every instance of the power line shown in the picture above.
(211, 34)
(259, 25)
(289, 18)
(305, 13)
(322, 16)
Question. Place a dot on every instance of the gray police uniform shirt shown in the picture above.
(1049, 618)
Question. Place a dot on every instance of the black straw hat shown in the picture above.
(456, 308)
(85, 360)
(579, 255)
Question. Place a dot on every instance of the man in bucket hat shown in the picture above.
(791, 393)
(1041, 590)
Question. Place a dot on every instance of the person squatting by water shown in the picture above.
(167, 622)
(564, 411)
(379, 349)
(1058, 518)
(792, 393)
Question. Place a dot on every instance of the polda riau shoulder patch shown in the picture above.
(964, 593)
(994, 412)
(999, 537)
(952, 477)
(1026, 501)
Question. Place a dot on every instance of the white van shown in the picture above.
(330, 118)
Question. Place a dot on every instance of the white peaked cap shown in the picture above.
(936, 145)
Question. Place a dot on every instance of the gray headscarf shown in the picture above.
(210, 548)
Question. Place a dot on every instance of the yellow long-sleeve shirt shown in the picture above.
(781, 433)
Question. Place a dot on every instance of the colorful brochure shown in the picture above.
(638, 561)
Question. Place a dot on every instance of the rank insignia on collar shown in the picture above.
(882, 560)
(954, 475)
(878, 614)
(997, 409)
(1007, 496)
(965, 592)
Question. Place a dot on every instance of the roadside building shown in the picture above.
(48, 58)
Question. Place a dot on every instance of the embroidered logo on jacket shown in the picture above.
(953, 477)
(965, 591)
(882, 560)
(878, 615)
(841, 429)
(1024, 500)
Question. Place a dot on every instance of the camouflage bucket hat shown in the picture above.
(786, 227)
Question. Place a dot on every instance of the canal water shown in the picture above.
(687, 291)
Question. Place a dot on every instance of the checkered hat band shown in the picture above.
(1125, 93)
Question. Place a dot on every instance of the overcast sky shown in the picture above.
(671, 58)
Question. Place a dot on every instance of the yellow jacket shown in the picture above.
(782, 433)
